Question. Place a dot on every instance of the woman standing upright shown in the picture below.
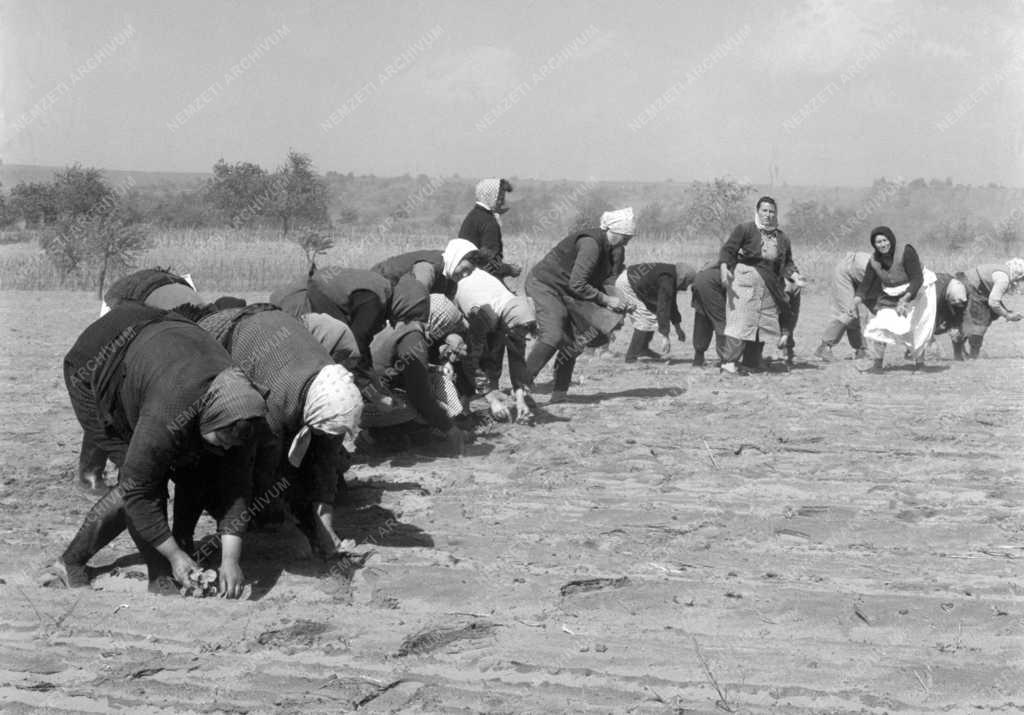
(905, 294)
(482, 227)
(567, 287)
(754, 264)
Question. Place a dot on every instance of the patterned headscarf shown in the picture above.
(620, 221)
(1016, 268)
(334, 406)
(445, 317)
(487, 192)
(230, 398)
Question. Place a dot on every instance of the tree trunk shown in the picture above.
(103, 275)
(284, 224)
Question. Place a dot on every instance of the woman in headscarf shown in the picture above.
(364, 300)
(754, 264)
(650, 289)
(904, 295)
(436, 271)
(846, 279)
(708, 301)
(312, 404)
(482, 227)
(158, 288)
(568, 291)
(986, 286)
(499, 320)
(950, 302)
(402, 357)
(159, 395)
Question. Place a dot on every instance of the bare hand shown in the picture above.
(230, 579)
(680, 334)
(666, 345)
(1013, 316)
(616, 304)
(181, 566)
(500, 409)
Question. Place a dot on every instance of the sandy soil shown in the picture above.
(668, 541)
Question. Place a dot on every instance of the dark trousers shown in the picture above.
(366, 317)
(703, 330)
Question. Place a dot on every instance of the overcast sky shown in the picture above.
(801, 91)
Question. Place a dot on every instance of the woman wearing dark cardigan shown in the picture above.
(567, 287)
(651, 289)
(754, 264)
(159, 395)
(482, 227)
(904, 295)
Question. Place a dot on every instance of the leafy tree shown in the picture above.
(716, 207)
(35, 202)
(94, 227)
(239, 192)
(300, 196)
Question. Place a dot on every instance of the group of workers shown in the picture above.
(247, 407)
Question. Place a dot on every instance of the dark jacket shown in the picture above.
(401, 358)
(397, 267)
(147, 373)
(139, 285)
(330, 290)
(579, 266)
(482, 229)
(655, 285)
(744, 246)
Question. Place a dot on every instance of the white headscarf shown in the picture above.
(454, 252)
(956, 292)
(333, 406)
(620, 221)
(1016, 268)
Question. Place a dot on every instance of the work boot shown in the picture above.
(698, 358)
(958, 350)
(637, 343)
(974, 343)
(860, 353)
(824, 353)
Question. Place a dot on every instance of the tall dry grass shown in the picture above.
(254, 261)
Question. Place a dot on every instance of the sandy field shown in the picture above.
(668, 541)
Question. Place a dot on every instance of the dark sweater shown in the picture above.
(744, 246)
(579, 265)
(655, 285)
(401, 358)
(396, 267)
(330, 291)
(481, 228)
(149, 371)
(138, 285)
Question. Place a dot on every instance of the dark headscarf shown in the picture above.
(763, 199)
(884, 259)
(230, 398)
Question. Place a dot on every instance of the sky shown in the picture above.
(798, 91)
